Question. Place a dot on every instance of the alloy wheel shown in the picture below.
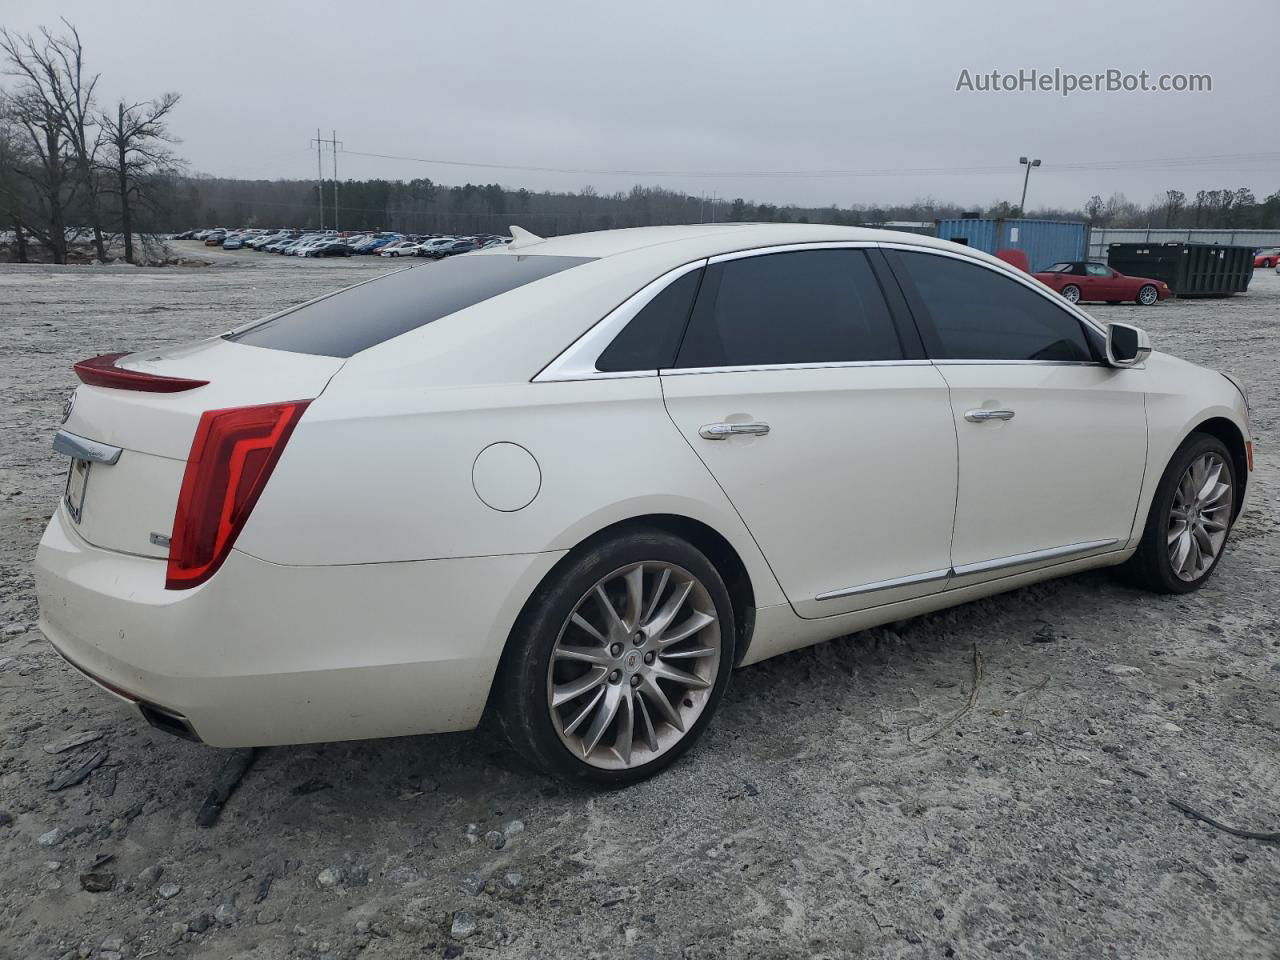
(1199, 517)
(1072, 293)
(1147, 296)
(634, 665)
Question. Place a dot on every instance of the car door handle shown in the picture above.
(718, 431)
(981, 416)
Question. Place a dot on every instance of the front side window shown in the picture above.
(811, 306)
(972, 312)
(1097, 270)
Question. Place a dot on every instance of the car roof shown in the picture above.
(710, 239)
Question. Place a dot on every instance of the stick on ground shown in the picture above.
(233, 772)
(1245, 834)
(974, 680)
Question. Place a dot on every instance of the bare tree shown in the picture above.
(52, 69)
(15, 191)
(136, 135)
(48, 173)
(1174, 201)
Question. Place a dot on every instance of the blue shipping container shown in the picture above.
(1045, 242)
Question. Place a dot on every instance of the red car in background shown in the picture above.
(1267, 258)
(1087, 280)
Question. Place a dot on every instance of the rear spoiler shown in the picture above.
(102, 372)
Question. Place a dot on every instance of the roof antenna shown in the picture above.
(520, 237)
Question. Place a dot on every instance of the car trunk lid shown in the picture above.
(129, 504)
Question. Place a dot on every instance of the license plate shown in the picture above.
(77, 480)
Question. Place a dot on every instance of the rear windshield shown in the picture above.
(369, 313)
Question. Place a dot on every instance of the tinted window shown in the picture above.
(974, 313)
(814, 306)
(650, 340)
(369, 313)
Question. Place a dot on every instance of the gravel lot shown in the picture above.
(817, 818)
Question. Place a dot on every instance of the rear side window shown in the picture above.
(972, 312)
(650, 340)
(812, 306)
(369, 313)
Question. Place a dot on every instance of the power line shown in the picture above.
(1268, 158)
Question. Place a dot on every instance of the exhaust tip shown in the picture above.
(169, 722)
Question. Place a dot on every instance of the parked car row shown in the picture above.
(330, 243)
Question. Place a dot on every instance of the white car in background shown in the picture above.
(400, 248)
(579, 480)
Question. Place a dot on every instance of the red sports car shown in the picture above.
(1267, 258)
(1087, 280)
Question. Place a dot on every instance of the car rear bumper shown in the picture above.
(268, 654)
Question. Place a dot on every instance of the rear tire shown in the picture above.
(1071, 293)
(1174, 554)
(647, 693)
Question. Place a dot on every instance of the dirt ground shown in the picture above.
(819, 817)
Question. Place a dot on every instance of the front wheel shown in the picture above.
(1147, 295)
(619, 660)
(1189, 520)
(1071, 293)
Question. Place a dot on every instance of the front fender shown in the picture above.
(1181, 398)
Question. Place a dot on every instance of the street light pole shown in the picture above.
(1022, 207)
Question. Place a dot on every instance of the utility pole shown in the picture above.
(320, 143)
(1022, 207)
(336, 144)
(702, 207)
(319, 176)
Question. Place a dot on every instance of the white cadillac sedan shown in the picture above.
(577, 481)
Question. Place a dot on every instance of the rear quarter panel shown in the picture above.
(374, 474)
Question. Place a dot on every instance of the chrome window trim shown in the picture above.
(1034, 556)
(82, 448)
(915, 578)
(794, 248)
(1025, 363)
(821, 365)
(1016, 275)
(578, 360)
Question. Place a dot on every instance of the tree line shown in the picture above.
(70, 167)
(422, 206)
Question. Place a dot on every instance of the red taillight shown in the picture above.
(232, 455)
(103, 372)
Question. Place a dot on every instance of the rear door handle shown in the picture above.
(981, 416)
(718, 431)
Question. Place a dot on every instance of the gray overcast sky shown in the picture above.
(660, 85)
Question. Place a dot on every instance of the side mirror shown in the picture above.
(1126, 346)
